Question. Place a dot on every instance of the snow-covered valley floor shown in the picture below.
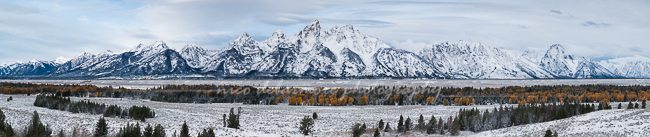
(604, 123)
(282, 120)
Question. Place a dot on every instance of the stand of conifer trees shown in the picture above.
(65, 104)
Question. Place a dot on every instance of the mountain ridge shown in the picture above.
(338, 52)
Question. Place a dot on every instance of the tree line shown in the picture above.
(379, 95)
(476, 121)
(65, 104)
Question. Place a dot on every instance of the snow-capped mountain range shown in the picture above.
(339, 52)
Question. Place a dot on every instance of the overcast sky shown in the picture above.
(49, 29)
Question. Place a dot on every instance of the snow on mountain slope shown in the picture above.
(466, 60)
(559, 63)
(563, 65)
(631, 67)
(589, 69)
(238, 59)
(400, 63)
(196, 56)
(153, 59)
(31, 68)
(338, 52)
(348, 43)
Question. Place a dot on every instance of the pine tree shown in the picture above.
(636, 105)
(400, 124)
(233, 119)
(630, 105)
(421, 125)
(407, 124)
(455, 126)
(431, 127)
(5, 128)
(387, 127)
(206, 133)
(185, 131)
(306, 125)
(159, 131)
(619, 105)
(358, 130)
(36, 128)
(643, 104)
(225, 123)
(101, 129)
(314, 115)
(376, 134)
(548, 133)
(381, 124)
(441, 126)
(148, 131)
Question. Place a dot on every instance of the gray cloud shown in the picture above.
(594, 24)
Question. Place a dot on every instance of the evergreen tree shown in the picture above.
(548, 133)
(306, 125)
(636, 105)
(233, 119)
(225, 123)
(101, 129)
(207, 133)
(441, 127)
(5, 128)
(314, 115)
(619, 106)
(36, 128)
(148, 131)
(643, 104)
(381, 124)
(387, 127)
(630, 105)
(159, 131)
(358, 130)
(185, 131)
(455, 126)
(431, 127)
(131, 130)
(376, 134)
(407, 124)
(421, 125)
(400, 124)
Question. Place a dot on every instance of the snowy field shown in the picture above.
(282, 120)
(604, 123)
(256, 120)
(346, 83)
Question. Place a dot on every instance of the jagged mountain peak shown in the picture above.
(338, 52)
(277, 39)
(244, 40)
(278, 35)
(153, 47)
(192, 47)
(558, 51)
(311, 30)
(463, 45)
